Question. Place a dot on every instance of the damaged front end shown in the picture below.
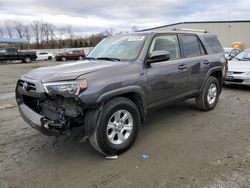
(53, 111)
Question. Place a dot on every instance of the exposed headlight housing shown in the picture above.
(66, 88)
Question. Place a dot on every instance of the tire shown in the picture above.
(105, 137)
(209, 96)
(63, 58)
(80, 58)
(49, 58)
(27, 60)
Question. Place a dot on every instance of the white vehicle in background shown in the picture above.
(231, 52)
(239, 69)
(44, 56)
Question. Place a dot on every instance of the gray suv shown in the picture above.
(122, 78)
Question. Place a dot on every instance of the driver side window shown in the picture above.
(168, 43)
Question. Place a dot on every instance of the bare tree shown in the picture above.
(51, 33)
(70, 34)
(109, 32)
(9, 27)
(35, 28)
(27, 33)
(19, 27)
(134, 28)
(1, 33)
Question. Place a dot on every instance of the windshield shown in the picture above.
(243, 56)
(123, 47)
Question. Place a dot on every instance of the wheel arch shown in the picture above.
(215, 72)
(133, 93)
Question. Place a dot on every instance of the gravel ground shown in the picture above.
(186, 147)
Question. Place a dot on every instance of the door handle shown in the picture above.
(206, 62)
(182, 66)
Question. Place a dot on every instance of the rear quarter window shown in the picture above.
(192, 46)
(214, 44)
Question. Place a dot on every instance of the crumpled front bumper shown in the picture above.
(37, 121)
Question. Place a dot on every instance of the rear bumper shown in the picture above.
(37, 121)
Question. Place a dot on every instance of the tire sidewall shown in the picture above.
(210, 81)
(104, 143)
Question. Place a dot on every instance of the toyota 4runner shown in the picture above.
(121, 79)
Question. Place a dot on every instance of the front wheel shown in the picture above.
(117, 128)
(209, 96)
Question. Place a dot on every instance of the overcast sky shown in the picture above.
(91, 16)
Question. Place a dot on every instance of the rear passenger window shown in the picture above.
(168, 43)
(214, 44)
(192, 46)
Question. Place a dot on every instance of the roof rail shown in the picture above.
(192, 30)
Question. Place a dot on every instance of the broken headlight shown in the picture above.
(65, 88)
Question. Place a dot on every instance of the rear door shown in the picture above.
(196, 59)
(167, 79)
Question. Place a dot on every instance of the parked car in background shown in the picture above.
(239, 69)
(12, 54)
(71, 55)
(44, 56)
(231, 52)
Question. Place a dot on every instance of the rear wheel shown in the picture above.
(117, 127)
(209, 96)
(49, 58)
(27, 60)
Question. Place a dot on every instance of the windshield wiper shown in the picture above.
(90, 58)
(108, 58)
(245, 59)
(238, 59)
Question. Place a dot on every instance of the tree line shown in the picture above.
(43, 35)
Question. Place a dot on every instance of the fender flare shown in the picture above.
(212, 70)
(124, 90)
(92, 118)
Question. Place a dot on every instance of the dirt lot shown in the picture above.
(186, 147)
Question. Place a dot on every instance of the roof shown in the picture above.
(199, 22)
(13, 40)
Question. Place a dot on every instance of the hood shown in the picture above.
(239, 66)
(70, 71)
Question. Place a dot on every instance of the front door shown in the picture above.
(167, 79)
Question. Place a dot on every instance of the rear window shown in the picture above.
(214, 44)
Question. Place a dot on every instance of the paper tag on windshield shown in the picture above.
(136, 38)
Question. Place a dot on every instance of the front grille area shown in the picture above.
(238, 72)
(27, 86)
(236, 80)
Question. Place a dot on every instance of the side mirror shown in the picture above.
(159, 55)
